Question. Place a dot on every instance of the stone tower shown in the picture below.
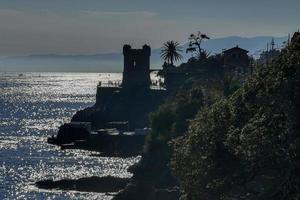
(136, 67)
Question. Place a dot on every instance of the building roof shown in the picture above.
(237, 48)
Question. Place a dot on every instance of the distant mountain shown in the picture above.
(113, 62)
(109, 56)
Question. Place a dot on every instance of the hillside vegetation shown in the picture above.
(248, 145)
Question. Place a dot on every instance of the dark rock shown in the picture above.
(167, 194)
(70, 132)
(260, 184)
(137, 190)
(90, 184)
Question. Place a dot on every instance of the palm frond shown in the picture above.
(170, 52)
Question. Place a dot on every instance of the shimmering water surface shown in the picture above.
(32, 107)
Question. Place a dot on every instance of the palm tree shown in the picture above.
(170, 52)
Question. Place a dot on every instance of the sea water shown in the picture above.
(32, 107)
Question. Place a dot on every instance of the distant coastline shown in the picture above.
(112, 62)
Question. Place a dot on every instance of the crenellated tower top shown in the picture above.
(136, 66)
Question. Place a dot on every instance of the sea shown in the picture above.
(32, 107)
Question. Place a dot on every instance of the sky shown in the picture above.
(102, 26)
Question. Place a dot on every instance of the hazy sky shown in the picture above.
(97, 26)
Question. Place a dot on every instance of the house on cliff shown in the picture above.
(236, 60)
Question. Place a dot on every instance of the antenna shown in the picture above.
(272, 48)
(272, 44)
(267, 54)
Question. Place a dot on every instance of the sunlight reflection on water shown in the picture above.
(32, 107)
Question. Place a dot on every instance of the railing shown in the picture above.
(155, 85)
(110, 84)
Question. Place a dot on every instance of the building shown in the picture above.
(136, 67)
(236, 60)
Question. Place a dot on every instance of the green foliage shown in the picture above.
(168, 122)
(255, 131)
(206, 71)
(230, 85)
(195, 154)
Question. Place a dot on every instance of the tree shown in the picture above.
(195, 41)
(230, 84)
(170, 52)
